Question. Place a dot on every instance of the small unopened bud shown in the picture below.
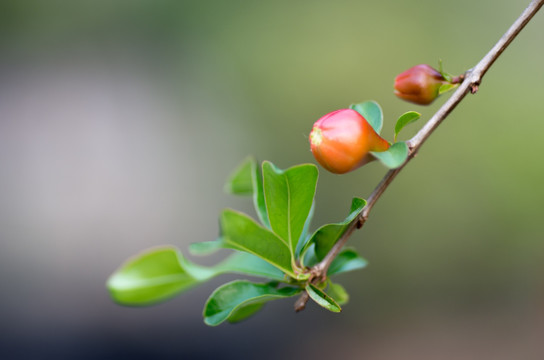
(419, 84)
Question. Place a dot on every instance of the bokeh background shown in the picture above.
(120, 120)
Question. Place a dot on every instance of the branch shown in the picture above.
(471, 82)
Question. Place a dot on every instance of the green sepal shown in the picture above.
(395, 156)
(372, 112)
(229, 300)
(322, 299)
(448, 77)
(405, 119)
(444, 88)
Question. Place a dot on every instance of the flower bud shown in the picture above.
(341, 141)
(419, 84)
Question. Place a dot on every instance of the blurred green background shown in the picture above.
(120, 120)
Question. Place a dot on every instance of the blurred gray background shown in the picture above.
(119, 122)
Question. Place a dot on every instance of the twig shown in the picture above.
(471, 82)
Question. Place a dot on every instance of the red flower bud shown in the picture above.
(419, 84)
(341, 141)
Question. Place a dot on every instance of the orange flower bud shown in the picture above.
(419, 84)
(341, 141)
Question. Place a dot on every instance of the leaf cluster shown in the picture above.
(276, 247)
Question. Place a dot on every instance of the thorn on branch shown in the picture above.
(300, 304)
(360, 223)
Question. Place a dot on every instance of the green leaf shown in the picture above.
(322, 299)
(405, 119)
(241, 232)
(289, 196)
(372, 112)
(238, 262)
(230, 298)
(158, 274)
(444, 88)
(395, 156)
(206, 247)
(244, 312)
(240, 181)
(338, 293)
(347, 260)
(245, 263)
(153, 276)
(246, 179)
(327, 235)
(308, 256)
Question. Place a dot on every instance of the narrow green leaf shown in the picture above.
(338, 293)
(289, 196)
(308, 256)
(258, 195)
(327, 235)
(153, 276)
(206, 247)
(322, 299)
(395, 156)
(305, 237)
(240, 180)
(445, 75)
(372, 112)
(229, 298)
(347, 260)
(444, 88)
(247, 179)
(241, 232)
(405, 119)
